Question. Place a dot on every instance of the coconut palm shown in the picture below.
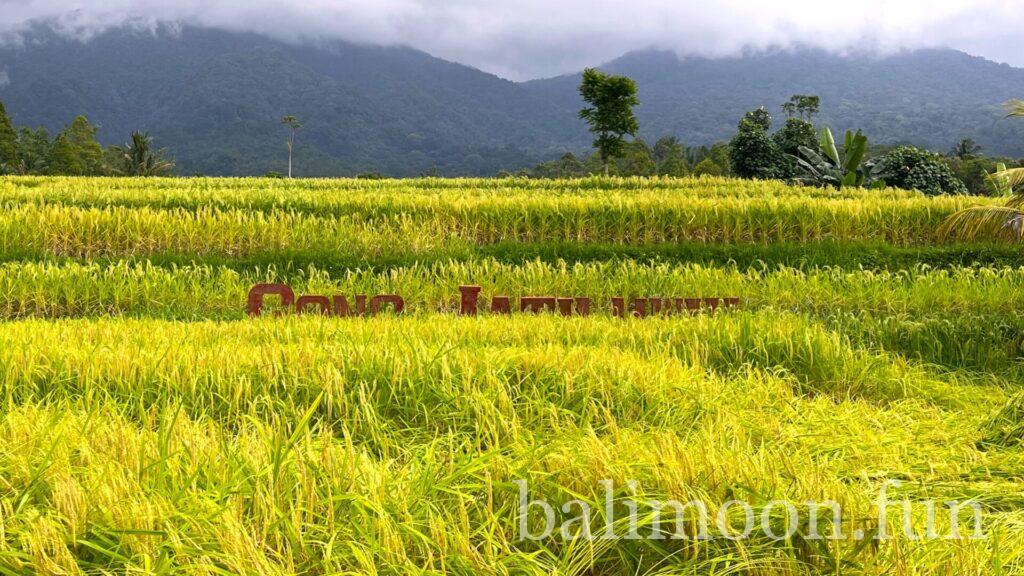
(1005, 222)
(293, 125)
(965, 149)
(138, 158)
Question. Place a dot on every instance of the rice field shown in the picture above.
(148, 426)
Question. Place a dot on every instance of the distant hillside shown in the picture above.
(930, 98)
(215, 99)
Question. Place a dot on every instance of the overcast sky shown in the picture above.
(522, 39)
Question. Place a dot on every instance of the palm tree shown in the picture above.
(139, 159)
(1005, 222)
(293, 125)
(965, 149)
(1015, 175)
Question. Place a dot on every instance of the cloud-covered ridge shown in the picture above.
(531, 38)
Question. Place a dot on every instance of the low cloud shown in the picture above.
(5, 79)
(531, 38)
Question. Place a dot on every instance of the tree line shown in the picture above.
(797, 152)
(74, 151)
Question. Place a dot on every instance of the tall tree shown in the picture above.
(76, 151)
(802, 106)
(794, 134)
(759, 118)
(293, 125)
(610, 112)
(9, 158)
(752, 152)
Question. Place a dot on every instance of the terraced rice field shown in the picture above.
(148, 426)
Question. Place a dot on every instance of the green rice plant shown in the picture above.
(200, 291)
(382, 223)
(148, 426)
(1005, 427)
(284, 446)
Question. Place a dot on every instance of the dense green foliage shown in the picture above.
(752, 152)
(913, 168)
(928, 98)
(215, 100)
(796, 133)
(9, 157)
(35, 151)
(802, 106)
(76, 152)
(976, 172)
(668, 157)
(707, 167)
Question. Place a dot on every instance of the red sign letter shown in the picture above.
(255, 306)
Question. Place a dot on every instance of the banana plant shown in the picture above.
(827, 167)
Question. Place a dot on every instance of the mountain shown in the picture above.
(215, 99)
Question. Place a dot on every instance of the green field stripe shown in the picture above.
(127, 287)
(806, 256)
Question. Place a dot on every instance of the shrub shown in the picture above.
(707, 167)
(913, 168)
